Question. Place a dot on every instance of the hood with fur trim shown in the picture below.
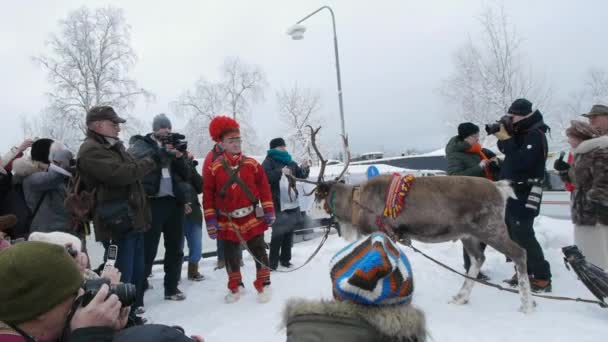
(395, 322)
(591, 144)
(24, 167)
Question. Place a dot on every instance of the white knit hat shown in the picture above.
(57, 238)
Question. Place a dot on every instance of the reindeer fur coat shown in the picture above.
(310, 320)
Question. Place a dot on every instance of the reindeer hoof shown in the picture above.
(459, 300)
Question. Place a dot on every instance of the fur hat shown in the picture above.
(160, 121)
(277, 142)
(466, 129)
(520, 107)
(581, 130)
(220, 125)
(372, 271)
(41, 149)
(40, 277)
(57, 238)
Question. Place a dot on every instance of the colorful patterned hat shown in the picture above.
(372, 271)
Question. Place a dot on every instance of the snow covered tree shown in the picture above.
(88, 64)
(490, 73)
(298, 108)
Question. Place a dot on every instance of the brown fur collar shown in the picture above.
(400, 321)
(591, 144)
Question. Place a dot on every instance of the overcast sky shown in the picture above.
(394, 55)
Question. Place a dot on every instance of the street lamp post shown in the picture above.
(297, 33)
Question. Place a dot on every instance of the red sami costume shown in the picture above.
(218, 207)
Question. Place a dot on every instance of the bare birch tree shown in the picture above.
(491, 74)
(88, 64)
(241, 86)
(298, 107)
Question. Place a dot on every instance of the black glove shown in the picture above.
(561, 166)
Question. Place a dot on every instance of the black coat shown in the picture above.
(525, 157)
(273, 169)
(145, 146)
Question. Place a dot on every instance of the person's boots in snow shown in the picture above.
(220, 264)
(262, 284)
(193, 273)
(235, 285)
(177, 296)
(265, 295)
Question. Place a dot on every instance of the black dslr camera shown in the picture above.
(506, 120)
(125, 292)
(176, 140)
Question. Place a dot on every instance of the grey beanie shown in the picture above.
(160, 121)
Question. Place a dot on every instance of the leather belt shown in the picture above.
(239, 213)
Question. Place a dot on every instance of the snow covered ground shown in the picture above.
(491, 315)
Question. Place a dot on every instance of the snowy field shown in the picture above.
(491, 315)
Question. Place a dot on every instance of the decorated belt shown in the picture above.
(239, 213)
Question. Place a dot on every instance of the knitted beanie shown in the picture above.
(36, 277)
(222, 125)
(277, 142)
(372, 271)
(520, 107)
(160, 121)
(57, 238)
(466, 129)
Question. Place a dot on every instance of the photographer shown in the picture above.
(43, 289)
(69, 310)
(521, 135)
(466, 157)
(121, 214)
(167, 201)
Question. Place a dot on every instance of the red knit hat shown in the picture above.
(220, 125)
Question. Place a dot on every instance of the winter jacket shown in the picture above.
(311, 321)
(463, 163)
(525, 157)
(115, 175)
(91, 334)
(52, 215)
(589, 175)
(526, 151)
(214, 204)
(145, 146)
(273, 168)
(193, 189)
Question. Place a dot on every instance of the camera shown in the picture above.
(506, 121)
(125, 292)
(177, 140)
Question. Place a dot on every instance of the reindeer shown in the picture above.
(437, 209)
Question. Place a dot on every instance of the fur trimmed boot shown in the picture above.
(193, 273)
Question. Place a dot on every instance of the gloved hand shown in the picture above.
(269, 217)
(484, 163)
(212, 228)
(560, 165)
(502, 134)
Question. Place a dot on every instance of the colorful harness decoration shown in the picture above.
(398, 189)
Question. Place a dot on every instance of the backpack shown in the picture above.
(79, 203)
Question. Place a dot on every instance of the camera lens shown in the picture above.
(125, 292)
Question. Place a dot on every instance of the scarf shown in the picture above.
(477, 150)
(282, 156)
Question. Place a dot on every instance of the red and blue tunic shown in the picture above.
(253, 175)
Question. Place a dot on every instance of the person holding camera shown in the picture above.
(167, 200)
(521, 135)
(466, 157)
(43, 299)
(589, 174)
(285, 197)
(121, 213)
(238, 207)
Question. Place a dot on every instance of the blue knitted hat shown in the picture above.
(372, 271)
